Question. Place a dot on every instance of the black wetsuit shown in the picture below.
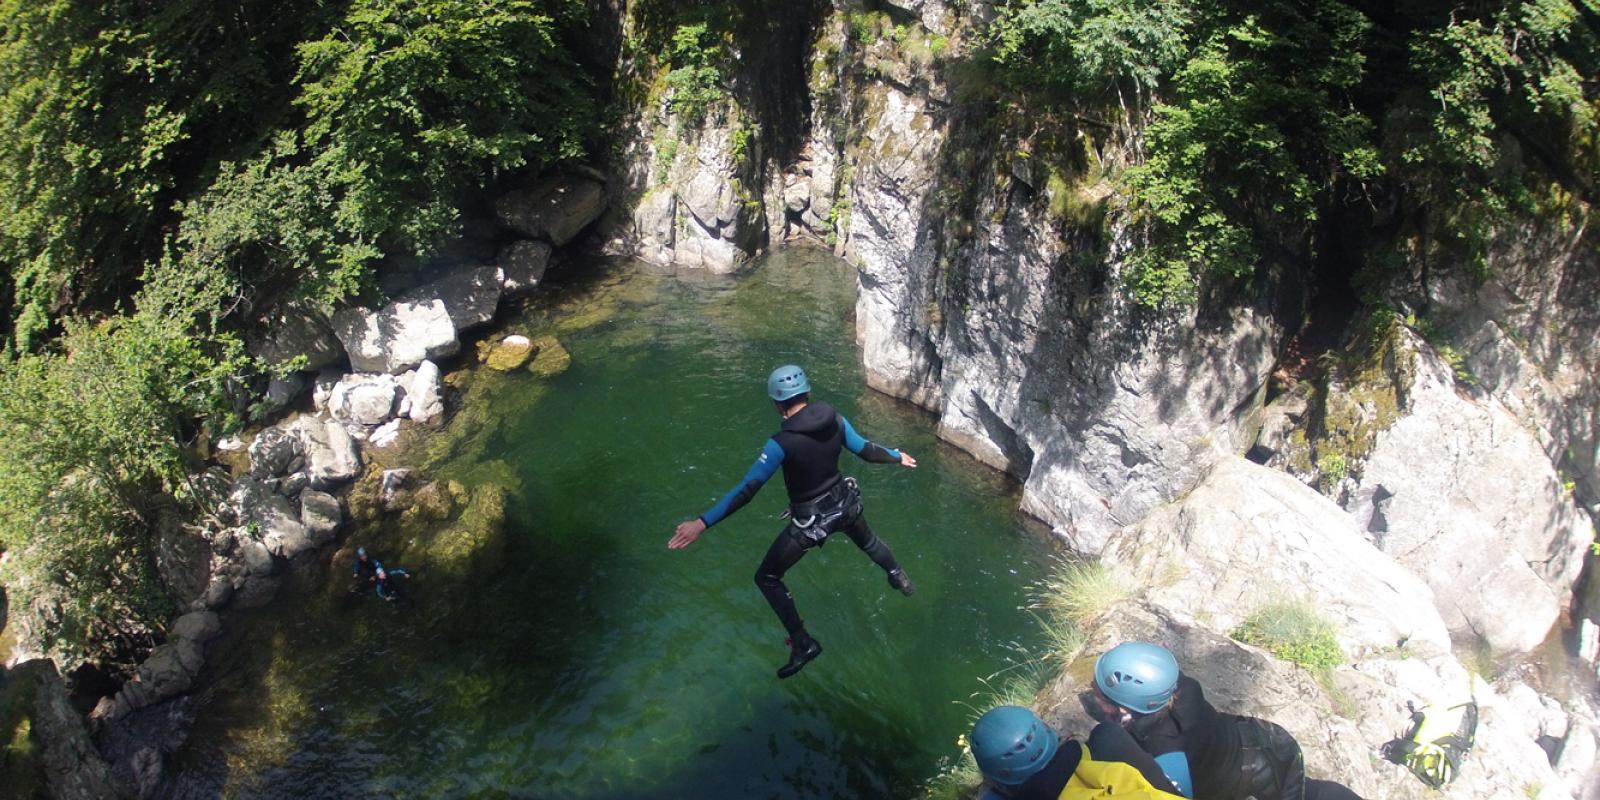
(807, 449)
(1231, 757)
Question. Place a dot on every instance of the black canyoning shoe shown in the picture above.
(902, 582)
(799, 656)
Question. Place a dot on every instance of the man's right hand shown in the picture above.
(686, 534)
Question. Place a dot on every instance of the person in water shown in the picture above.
(383, 578)
(1206, 753)
(365, 565)
(821, 502)
(1022, 758)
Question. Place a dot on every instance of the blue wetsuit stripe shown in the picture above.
(868, 451)
(765, 466)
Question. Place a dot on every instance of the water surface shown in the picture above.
(587, 660)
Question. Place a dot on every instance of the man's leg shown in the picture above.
(877, 550)
(785, 552)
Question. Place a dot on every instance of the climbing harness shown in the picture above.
(828, 512)
(1440, 739)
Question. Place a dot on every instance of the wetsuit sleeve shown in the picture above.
(1175, 765)
(865, 449)
(355, 571)
(759, 473)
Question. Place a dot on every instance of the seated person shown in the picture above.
(1022, 758)
(1207, 754)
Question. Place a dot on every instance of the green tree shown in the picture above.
(109, 113)
(91, 431)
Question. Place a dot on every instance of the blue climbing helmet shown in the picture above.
(787, 381)
(361, 552)
(1011, 744)
(1138, 676)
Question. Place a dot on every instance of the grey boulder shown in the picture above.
(555, 209)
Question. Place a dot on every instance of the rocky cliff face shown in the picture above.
(982, 298)
(1456, 459)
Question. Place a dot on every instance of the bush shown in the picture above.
(91, 435)
(1293, 631)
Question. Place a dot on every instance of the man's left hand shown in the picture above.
(686, 534)
(906, 460)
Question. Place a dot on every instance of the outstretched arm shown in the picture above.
(868, 451)
(765, 466)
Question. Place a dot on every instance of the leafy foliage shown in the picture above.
(1091, 47)
(111, 112)
(90, 431)
(695, 79)
(1266, 115)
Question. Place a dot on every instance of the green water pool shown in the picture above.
(587, 660)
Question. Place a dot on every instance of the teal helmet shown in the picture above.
(1011, 744)
(1138, 676)
(787, 381)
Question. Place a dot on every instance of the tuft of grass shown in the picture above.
(1079, 592)
(1293, 631)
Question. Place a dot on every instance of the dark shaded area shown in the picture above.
(766, 67)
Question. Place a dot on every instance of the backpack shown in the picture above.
(1093, 780)
(1440, 739)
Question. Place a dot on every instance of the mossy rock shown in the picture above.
(365, 500)
(432, 502)
(477, 538)
(552, 358)
(506, 354)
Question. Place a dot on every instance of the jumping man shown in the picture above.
(821, 502)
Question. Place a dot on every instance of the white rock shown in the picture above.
(1461, 493)
(397, 337)
(386, 434)
(1247, 535)
(331, 455)
(426, 393)
(363, 399)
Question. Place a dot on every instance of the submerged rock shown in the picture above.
(551, 358)
(508, 354)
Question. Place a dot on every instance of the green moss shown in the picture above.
(551, 358)
(1362, 396)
